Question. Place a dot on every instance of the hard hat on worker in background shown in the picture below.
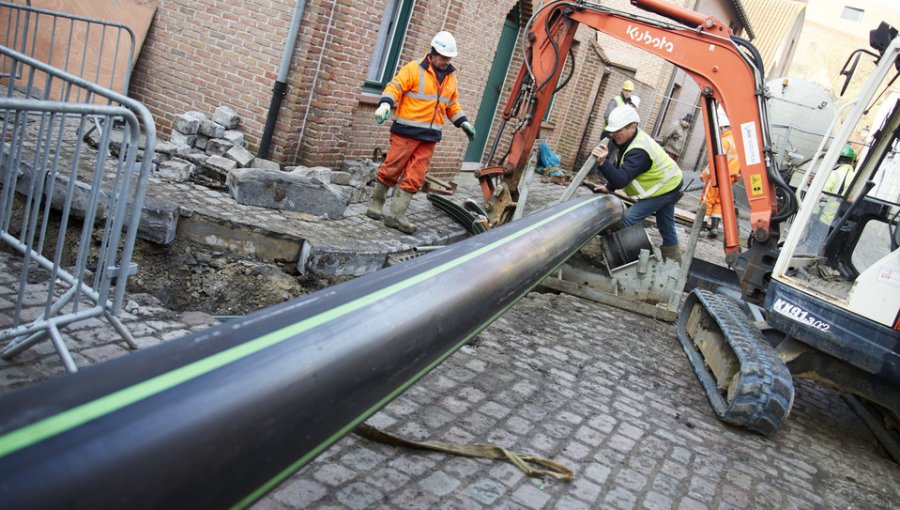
(622, 116)
(635, 101)
(848, 152)
(723, 119)
(444, 44)
(628, 85)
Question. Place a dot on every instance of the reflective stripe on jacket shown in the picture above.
(423, 104)
(663, 175)
(730, 148)
(838, 183)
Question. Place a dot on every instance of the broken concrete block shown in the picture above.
(218, 146)
(197, 158)
(171, 148)
(226, 117)
(241, 155)
(361, 171)
(212, 129)
(340, 178)
(220, 163)
(216, 169)
(182, 139)
(234, 136)
(317, 173)
(286, 191)
(159, 221)
(357, 195)
(202, 142)
(188, 123)
(265, 164)
(177, 170)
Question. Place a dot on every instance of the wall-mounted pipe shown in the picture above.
(219, 417)
(279, 89)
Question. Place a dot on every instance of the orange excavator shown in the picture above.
(726, 68)
(744, 350)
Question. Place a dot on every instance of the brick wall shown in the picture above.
(200, 54)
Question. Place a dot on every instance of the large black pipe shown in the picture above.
(218, 418)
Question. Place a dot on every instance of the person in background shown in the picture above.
(837, 185)
(710, 192)
(643, 170)
(425, 93)
(622, 98)
(674, 140)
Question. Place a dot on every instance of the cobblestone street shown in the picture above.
(610, 395)
(607, 393)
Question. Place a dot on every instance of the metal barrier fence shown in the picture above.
(98, 51)
(71, 211)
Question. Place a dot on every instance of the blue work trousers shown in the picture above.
(664, 207)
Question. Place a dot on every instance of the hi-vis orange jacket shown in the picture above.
(423, 103)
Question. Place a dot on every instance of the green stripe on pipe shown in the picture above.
(71, 418)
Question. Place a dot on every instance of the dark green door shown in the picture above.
(505, 47)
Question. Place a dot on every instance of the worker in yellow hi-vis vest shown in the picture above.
(836, 187)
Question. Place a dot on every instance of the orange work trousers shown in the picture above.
(711, 196)
(406, 162)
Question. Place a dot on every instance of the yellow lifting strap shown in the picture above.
(486, 451)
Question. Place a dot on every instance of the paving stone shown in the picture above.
(300, 493)
(485, 491)
(412, 464)
(597, 473)
(656, 501)
(586, 490)
(506, 474)
(439, 483)
(619, 498)
(530, 496)
(359, 495)
(333, 474)
(414, 499)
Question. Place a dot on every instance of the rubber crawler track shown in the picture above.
(764, 392)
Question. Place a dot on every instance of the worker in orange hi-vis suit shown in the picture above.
(425, 94)
(710, 192)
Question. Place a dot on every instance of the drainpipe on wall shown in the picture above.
(279, 90)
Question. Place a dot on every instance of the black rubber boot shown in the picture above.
(714, 229)
(396, 216)
(377, 203)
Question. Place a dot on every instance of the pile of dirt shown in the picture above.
(188, 278)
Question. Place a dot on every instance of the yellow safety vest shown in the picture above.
(838, 183)
(663, 175)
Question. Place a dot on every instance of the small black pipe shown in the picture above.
(279, 90)
(218, 418)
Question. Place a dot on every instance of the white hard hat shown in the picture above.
(636, 101)
(622, 116)
(444, 43)
(723, 119)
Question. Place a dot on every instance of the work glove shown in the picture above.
(383, 112)
(469, 129)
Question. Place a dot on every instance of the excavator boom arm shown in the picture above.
(703, 49)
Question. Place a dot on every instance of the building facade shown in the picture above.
(200, 54)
